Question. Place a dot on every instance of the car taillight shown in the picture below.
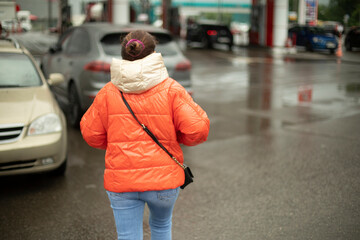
(97, 66)
(211, 32)
(183, 66)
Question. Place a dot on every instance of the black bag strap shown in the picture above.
(149, 132)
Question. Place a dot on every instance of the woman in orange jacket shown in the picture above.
(137, 170)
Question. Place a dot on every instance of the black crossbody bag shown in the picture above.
(188, 174)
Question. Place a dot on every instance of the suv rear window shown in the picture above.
(17, 70)
(165, 44)
(215, 27)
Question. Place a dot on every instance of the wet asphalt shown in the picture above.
(282, 160)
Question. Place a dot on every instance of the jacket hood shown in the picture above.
(140, 75)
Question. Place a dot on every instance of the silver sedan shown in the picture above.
(83, 55)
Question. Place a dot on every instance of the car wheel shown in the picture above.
(60, 171)
(74, 107)
(348, 46)
(230, 46)
(332, 51)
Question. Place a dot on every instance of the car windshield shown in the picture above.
(317, 30)
(17, 70)
(166, 46)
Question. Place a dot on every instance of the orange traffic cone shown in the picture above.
(288, 43)
(339, 49)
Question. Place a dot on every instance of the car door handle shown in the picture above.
(71, 63)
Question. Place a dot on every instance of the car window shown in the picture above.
(317, 30)
(65, 39)
(17, 70)
(111, 43)
(167, 49)
(162, 38)
(215, 27)
(166, 46)
(79, 42)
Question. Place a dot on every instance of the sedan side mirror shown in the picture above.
(56, 79)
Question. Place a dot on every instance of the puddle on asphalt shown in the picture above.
(260, 107)
(327, 96)
(255, 94)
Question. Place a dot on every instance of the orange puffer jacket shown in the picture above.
(133, 162)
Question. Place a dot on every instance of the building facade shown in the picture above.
(268, 19)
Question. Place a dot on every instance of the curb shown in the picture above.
(294, 54)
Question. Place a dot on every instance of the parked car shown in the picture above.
(33, 135)
(22, 23)
(313, 38)
(84, 54)
(208, 34)
(24, 20)
(9, 25)
(352, 39)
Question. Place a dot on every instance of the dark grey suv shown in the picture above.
(83, 55)
(208, 34)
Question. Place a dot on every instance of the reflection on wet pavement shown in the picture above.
(255, 93)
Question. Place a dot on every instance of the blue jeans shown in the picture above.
(128, 208)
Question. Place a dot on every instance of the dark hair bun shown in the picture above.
(134, 48)
(137, 45)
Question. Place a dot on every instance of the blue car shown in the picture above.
(313, 38)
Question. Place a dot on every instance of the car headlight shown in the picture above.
(315, 39)
(48, 123)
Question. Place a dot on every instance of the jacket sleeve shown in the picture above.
(92, 126)
(191, 122)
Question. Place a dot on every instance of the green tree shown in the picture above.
(337, 9)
